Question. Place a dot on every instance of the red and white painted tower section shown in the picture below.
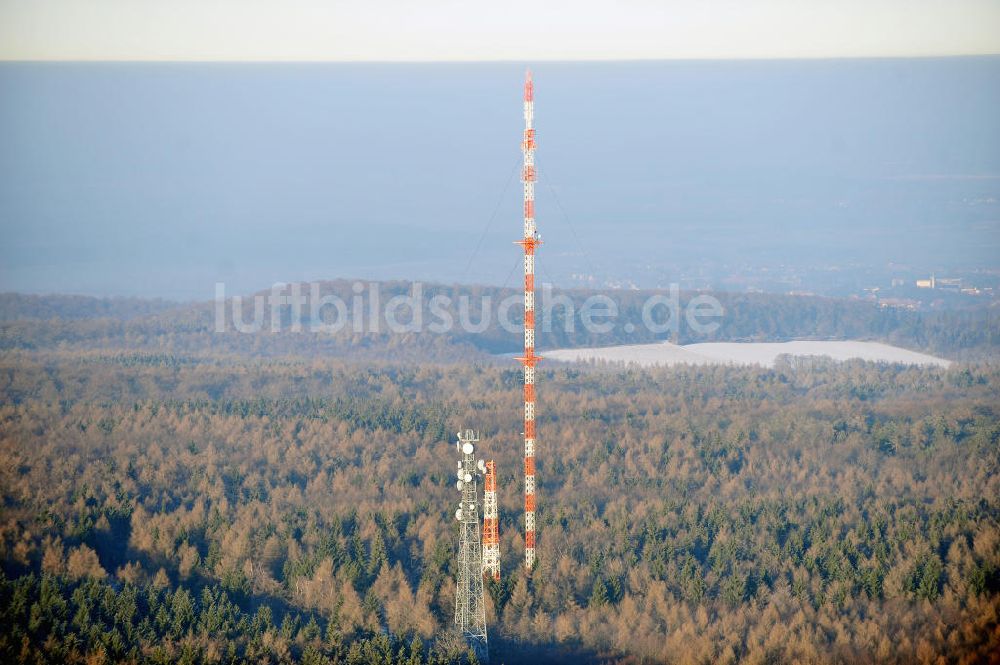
(491, 530)
(529, 242)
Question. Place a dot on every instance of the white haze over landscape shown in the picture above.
(161, 179)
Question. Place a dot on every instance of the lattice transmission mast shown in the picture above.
(470, 607)
(529, 242)
(491, 529)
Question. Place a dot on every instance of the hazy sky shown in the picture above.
(404, 30)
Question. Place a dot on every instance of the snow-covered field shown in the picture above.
(749, 353)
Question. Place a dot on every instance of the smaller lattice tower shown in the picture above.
(491, 531)
(470, 607)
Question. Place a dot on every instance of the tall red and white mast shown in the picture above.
(491, 531)
(529, 360)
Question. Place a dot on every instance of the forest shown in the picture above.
(163, 505)
(30, 322)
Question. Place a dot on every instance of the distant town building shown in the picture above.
(953, 284)
(926, 283)
(899, 303)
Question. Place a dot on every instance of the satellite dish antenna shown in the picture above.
(468, 448)
(481, 465)
(468, 477)
(458, 514)
(459, 485)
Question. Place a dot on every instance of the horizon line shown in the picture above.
(488, 61)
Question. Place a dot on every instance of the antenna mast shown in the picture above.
(470, 608)
(491, 531)
(530, 240)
